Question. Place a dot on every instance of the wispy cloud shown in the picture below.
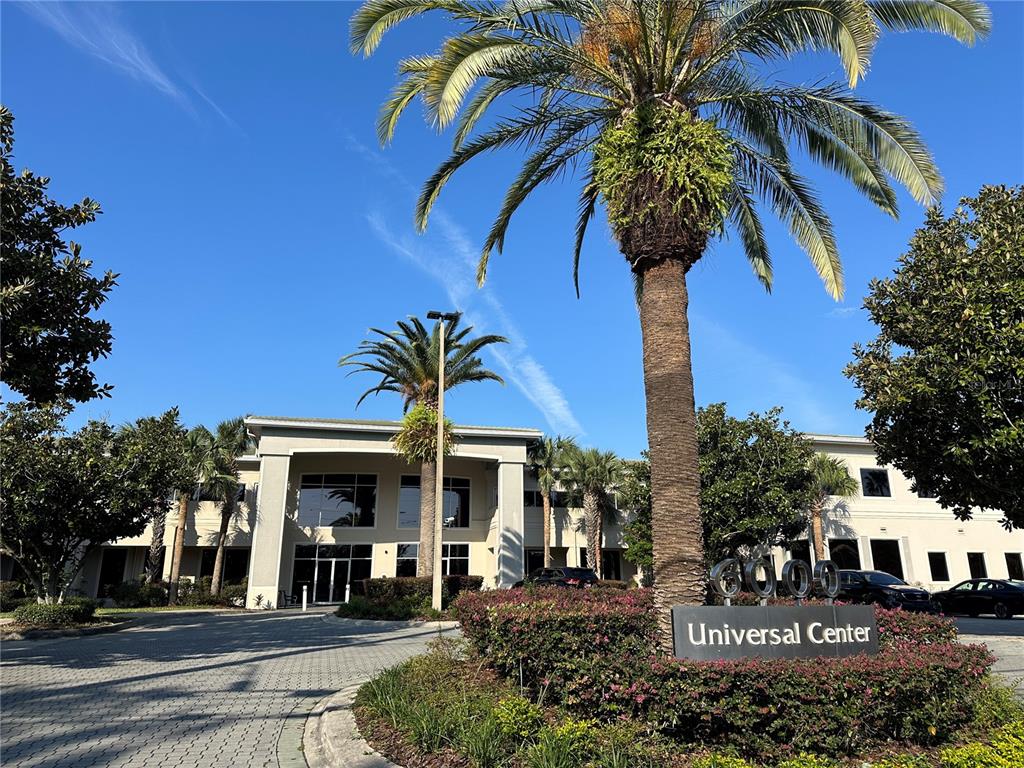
(843, 311)
(97, 29)
(448, 256)
(734, 359)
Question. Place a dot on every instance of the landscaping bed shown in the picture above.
(568, 679)
(405, 598)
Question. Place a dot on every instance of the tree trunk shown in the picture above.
(425, 557)
(676, 530)
(226, 511)
(816, 530)
(592, 516)
(179, 548)
(156, 543)
(547, 528)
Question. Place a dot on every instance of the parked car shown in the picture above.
(560, 577)
(1001, 597)
(884, 589)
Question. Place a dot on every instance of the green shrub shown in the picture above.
(385, 590)
(12, 595)
(399, 609)
(135, 594)
(720, 761)
(806, 761)
(72, 611)
(518, 717)
(996, 704)
(234, 594)
(197, 593)
(904, 761)
(481, 740)
(557, 748)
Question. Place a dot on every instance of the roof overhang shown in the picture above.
(256, 424)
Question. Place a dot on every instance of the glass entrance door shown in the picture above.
(330, 571)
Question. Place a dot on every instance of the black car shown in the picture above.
(1001, 597)
(884, 589)
(560, 577)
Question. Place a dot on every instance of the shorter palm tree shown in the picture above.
(407, 362)
(230, 442)
(546, 459)
(199, 456)
(590, 476)
(830, 478)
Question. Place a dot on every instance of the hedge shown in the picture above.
(71, 611)
(383, 590)
(591, 651)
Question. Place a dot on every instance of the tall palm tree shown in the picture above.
(199, 457)
(546, 458)
(671, 115)
(230, 442)
(407, 362)
(591, 476)
(830, 478)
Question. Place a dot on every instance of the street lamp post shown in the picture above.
(435, 591)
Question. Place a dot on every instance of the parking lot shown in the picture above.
(1005, 638)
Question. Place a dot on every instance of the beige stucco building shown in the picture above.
(328, 503)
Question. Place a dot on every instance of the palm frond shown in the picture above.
(963, 20)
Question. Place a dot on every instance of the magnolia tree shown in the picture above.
(66, 493)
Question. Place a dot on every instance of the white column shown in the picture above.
(267, 536)
(510, 521)
(867, 562)
(908, 561)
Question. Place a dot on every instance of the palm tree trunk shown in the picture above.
(678, 541)
(816, 531)
(592, 516)
(179, 548)
(156, 544)
(425, 558)
(547, 528)
(226, 511)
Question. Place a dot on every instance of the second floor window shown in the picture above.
(337, 501)
(875, 482)
(456, 502)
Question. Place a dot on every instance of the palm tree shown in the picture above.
(590, 476)
(199, 456)
(546, 457)
(830, 478)
(407, 362)
(670, 113)
(229, 443)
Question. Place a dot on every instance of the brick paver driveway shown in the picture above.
(194, 689)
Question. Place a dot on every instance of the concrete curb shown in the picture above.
(51, 634)
(331, 738)
(386, 625)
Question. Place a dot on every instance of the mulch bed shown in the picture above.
(17, 632)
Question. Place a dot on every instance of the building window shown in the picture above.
(456, 502)
(800, 550)
(875, 482)
(938, 566)
(611, 565)
(885, 553)
(976, 564)
(924, 493)
(844, 553)
(1014, 566)
(455, 559)
(533, 499)
(337, 501)
(206, 561)
(534, 560)
(330, 571)
(407, 558)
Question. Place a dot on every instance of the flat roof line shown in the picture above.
(369, 425)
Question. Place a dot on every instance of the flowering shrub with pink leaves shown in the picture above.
(594, 651)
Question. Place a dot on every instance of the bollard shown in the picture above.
(348, 589)
(304, 591)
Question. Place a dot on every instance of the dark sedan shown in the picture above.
(1000, 597)
(560, 577)
(884, 589)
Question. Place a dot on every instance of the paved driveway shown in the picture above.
(196, 689)
(1005, 638)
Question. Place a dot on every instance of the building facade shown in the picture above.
(328, 503)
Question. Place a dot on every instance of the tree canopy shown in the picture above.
(635, 502)
(755, 482)
(66, 493)
(48, 293)
(944, 379)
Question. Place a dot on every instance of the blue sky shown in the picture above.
(259, 230)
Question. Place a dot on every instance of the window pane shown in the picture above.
(1014, 566)
(362, 551)
(456, 508)
(408, 550)
(206, 561)
(560, 499)
(312, 481)
(534, 559)
(976, 562)
(339, 479)
(334, 550)
(409, 506)
(410, 481)
(302, 574)
(305, 550)
(938, 566)
(310, 501)
(885, 553)
(456, 482)
(360, 570)
(457, 566)
(456, 550)
(531, 499)
(366, 505)
(844, 553)
(875, 482)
